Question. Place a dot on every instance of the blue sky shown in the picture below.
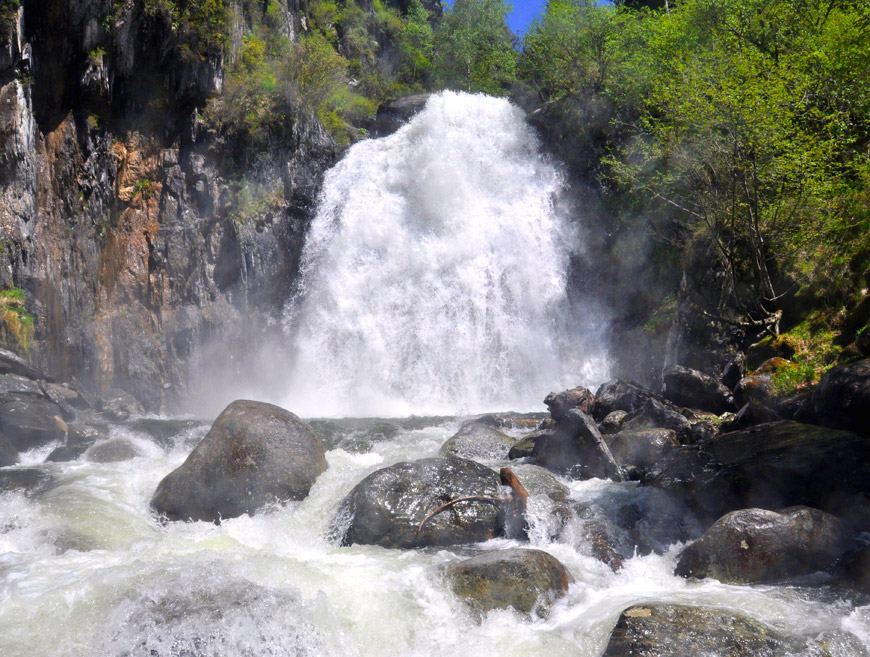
(524, 11)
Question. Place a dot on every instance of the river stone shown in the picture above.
(755, 546)
(575, 449)
(641, 448)
(540, 481)
(769, 466)
(664, 630)
(560, 403)
(254, 454)
(612, 423)
(842, 398)
(687, 387)
(119, 405)
(388, 506)
(30, 422)
(112, 451)
(478, 440)
(529, 581)
(8, 453)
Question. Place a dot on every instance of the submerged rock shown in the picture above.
(528, 581)
(393, 507)
(687, 387)
(254, 454)
(79, 438)
(842, 398)
(755, 546)
(28, 480)
(478, 440)
(664, 630)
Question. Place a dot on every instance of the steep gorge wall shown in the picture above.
(118, 207)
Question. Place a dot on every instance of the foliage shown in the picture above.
(16, 324)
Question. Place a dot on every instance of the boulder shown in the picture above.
(79, 438)
(750, 415)
(393, 115)
(8, 453)
(478, 440)
(525, 448)
(19, 385)
(687, 387)
(641, 448)
(254, 454)
(656, 415)
(398, 506)
(756, 546)
(666, 630)
(540, 481)
(612, 423)
(781, 346)
(28, 480)
(769, 466)
(842, 398)
(112, 451)
(528, 581)
(757, 386)
(560, 403)
(119, 405)
(621, 395)
(576, 449)
(30, 422)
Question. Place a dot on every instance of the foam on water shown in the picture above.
(435, 275)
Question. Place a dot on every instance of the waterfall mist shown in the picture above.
(434, 278)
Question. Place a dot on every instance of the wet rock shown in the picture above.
(663, 630)
(12, 363)
(856, 574)
(529, 581)
(576, 449)
(750, 415)
(654, 414)
(112, 451)
(755, 546)
(621, 395)
(641, 448)
(28, 480)
(8, 453)
(693, 389)
(16, 384)
(769, 466)
(612, 423)
(119, 405)
(254, 454)
(393, 506)
(525, 448)
(79, 438)
(560, 403)
(478, 440)
(163, 431)
(540, 481)
(393, 115)
(30, 422)
(842, 398)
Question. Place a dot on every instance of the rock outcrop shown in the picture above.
(254, 454)
(478, 440)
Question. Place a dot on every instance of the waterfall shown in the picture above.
(434, 278)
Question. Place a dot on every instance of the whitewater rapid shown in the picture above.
(434, 278)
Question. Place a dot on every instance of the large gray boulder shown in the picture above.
(29, 422)
(559, 403)
(641, 448)
(575, 449)
(397, 506)
(254, 454)
(622, 395)
(529, 581)
(756, 546)
(478, 441)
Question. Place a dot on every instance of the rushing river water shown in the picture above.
(87, 570)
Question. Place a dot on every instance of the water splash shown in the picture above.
(434, 277)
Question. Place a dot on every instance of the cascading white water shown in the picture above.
(434, 277)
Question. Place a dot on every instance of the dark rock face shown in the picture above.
(393, 115)
(8, 453)
(769, 466)
(755, 546)
(757, 386)
(12, 363)
(654, 414)
(526, 580)
(750, 415)
(687, 387)
(576, 449)
(478, 440)
(842, 398)
(662, 630)
(118, 405)
(388, 507)
(30, 422)
(641, 448)
(254, 454)
(862, 341)
(621, 395)
(560, 403)
(612, 423)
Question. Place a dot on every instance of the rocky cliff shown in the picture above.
(136, 233)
